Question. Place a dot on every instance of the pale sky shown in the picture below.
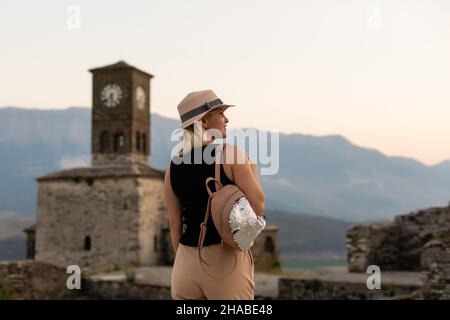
(374, 71)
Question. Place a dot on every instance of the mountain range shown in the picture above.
(319, 175)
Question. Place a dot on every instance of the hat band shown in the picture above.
(199, 110)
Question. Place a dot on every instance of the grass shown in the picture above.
(4, 293)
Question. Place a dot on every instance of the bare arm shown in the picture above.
(174, 211)
(254, 170)
(246, 178)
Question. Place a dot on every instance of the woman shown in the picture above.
(203, 120)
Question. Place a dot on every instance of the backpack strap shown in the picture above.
(204, 224)
(217, 166)
(203, 229)
(201, 239)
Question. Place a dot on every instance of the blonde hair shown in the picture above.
(192, 138)
(193, 135)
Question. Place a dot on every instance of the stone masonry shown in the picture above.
(437, 280)
(404, 244)
(100, 217)
(35, 280)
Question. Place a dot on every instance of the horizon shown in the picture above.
(233, 128)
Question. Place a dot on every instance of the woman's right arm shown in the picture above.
(254, 170)
(246, 178)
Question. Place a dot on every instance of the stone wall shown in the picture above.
(104, 211)
(370, 244)
(101, 159)
(99, 223)
(315, 289)
(165, 244)
(398, 244)
(437, 281)
(122, 290)
(35, 280)
(265, 251)
(152, 221)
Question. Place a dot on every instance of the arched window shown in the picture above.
(269, 245)
(119, 141)
(138, 141)
(87, 243)
(144, 143)
(104, 143)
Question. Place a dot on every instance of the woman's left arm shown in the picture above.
(174, 211)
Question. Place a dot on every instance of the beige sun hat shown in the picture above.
(196, 104)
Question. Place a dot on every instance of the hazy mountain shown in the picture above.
(305, 233)
(12, 224)
(442, 167)
(33, 142)
(326, 176)
(12, 237)
(13, 249)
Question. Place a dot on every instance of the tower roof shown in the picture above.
(119, 65)
(31, 228)
(106, 171)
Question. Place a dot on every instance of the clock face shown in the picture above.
(111, 95)
(140, 97)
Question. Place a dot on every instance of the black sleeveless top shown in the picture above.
(188, 183)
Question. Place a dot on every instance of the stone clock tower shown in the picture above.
(120, 114)
(111, 214)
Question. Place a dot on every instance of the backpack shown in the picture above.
(235, 221)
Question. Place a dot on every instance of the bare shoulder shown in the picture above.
(234, 155)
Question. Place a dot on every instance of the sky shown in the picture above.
(376, 72)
